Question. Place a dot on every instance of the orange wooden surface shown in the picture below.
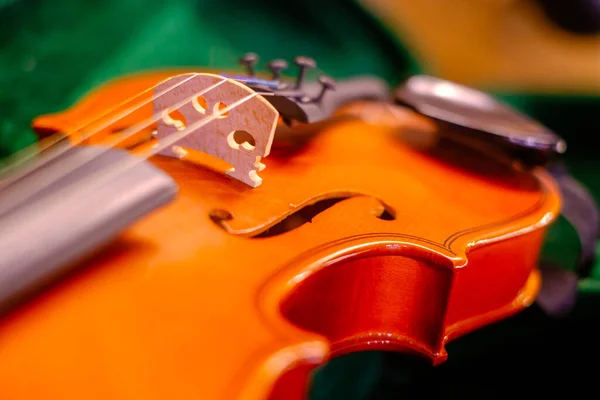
(423, 246)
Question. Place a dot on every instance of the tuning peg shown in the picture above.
(303, 64)
(249, 61)
(327, 83)
(276, 66)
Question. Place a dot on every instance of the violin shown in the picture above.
(193, 234)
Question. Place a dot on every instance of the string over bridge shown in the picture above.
(255, 117)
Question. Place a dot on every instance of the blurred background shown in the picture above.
(542, 56)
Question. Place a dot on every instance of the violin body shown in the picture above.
(359, 238)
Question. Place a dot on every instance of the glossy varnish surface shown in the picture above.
(206, 299)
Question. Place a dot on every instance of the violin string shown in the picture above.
(103, 176)
(395, 112)
(122, 136)
(164, 143)
(20, 160)
(42, 145)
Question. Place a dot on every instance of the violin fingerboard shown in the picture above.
(51, 226)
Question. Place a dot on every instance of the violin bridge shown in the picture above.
(240, 136)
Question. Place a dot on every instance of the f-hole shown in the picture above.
(300, 217)
(241, 138)
(387, 215)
